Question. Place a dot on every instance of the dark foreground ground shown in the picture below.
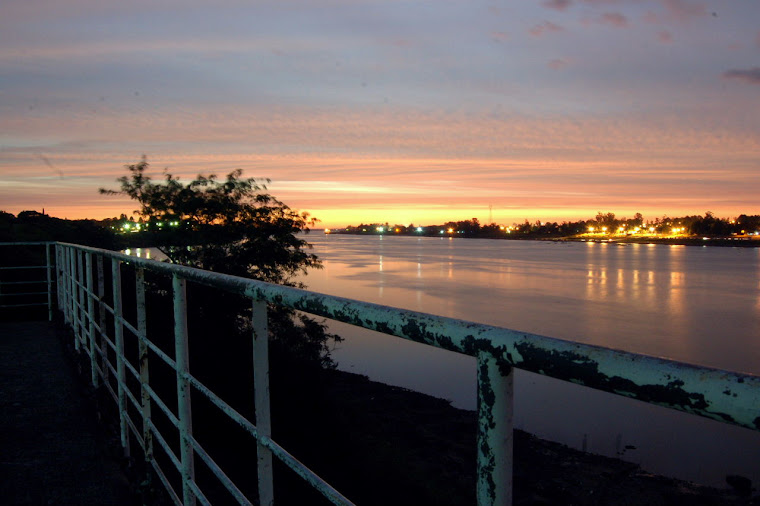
(52, 448)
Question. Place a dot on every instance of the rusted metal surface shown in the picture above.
(495, 431)
(722, 395)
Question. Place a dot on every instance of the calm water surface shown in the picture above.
(693, 304)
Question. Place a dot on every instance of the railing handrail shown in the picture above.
(732, 397)
(726, 396)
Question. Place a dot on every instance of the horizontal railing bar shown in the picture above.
(131, 368)
(686, 387)
(160, 353)
(224, 407)
(108, 308)
(111, 368)
(223, 478)
(165, 481)
(199, 494)
(36, 282)
(161, 441)
(294, 464)
(108, 386)
(137, 433)
(162, 406)
(304, 472)
(130, 327)
(108, 341)
(132, 398)
(19, 267)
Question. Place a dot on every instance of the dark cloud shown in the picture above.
(559, 5)
(751, 76)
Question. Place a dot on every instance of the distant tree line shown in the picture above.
(603, 223)
(34, 226)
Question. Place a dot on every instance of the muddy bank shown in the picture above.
(393, 446)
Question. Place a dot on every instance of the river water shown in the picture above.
(693, 304)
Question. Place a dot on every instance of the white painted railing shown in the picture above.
(722, 395)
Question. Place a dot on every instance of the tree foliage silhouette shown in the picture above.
(235, 227)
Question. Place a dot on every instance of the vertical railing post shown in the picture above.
(495, 431)
(184, 410)
(91, 320)
(73, 296)
(261, 400)
(67, 283)
(118, 331)
(60, 277)
(81, 311)
(48, 267)
(102, 319)
(142, 330)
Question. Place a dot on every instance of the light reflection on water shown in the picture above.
(699, 305)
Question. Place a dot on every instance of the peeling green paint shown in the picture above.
(584, 370)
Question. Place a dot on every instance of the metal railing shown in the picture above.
(721, 395)
(24, 290)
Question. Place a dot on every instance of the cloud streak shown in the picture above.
(751, 75)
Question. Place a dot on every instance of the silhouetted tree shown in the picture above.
(233, 226)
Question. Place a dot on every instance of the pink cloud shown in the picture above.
(559, 5)
(500, 36)
(614, 19)
(665, 37)
(682, 10)
(557, 64)
(677, 11)
(545, 27)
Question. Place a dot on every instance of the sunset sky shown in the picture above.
(399, 111)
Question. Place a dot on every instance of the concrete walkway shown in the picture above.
(52, 450)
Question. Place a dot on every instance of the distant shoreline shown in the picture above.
(738, 242)
(677, 241)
